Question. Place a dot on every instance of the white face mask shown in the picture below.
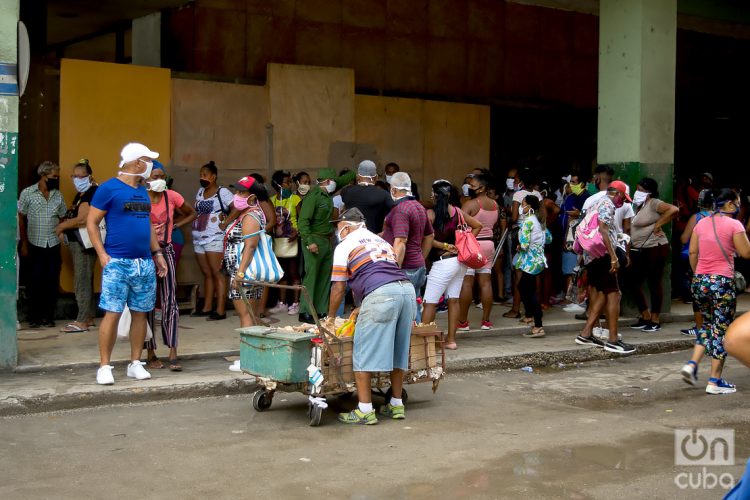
(510, 183)
(303, 189)
(388, 178)
(157, 185)
(339, 231)
(331, 187)
(639, 198)
(146, 174)
(465, 189)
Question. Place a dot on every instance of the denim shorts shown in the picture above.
(131, 282)
(383, 332)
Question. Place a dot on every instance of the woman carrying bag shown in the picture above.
(714, 242)
(286, 241)
(248, 227)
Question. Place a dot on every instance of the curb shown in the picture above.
(42, 403)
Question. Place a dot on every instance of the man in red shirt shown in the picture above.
(409, 231)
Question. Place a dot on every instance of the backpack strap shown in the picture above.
(721, 247)
(224, 209)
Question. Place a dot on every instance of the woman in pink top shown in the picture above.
(168, 211)
(485, 211)
(713, 245)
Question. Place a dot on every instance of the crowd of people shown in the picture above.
(577, 242)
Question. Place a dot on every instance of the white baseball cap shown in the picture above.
(134, 150)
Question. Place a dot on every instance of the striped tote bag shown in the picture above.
(264, 267)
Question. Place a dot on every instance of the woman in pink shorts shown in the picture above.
(485, 211)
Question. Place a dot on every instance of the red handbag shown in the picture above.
(469, 251)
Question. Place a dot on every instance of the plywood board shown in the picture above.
(311, 108)
(394, 127)
(103, 106)
(456, 139)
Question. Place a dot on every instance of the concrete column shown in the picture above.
(9, 12)
(637, 66)
(147, 40)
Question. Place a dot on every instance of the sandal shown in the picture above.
(73, 328)
(526, 321)
(535, 333)
(154, 363)
(450, 345)
(174, 365)
(512, 314)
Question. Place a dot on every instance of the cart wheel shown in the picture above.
(316, 412)
(262, 400)
(389, 393)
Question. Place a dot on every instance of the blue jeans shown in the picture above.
(418, 278)
(383, 332)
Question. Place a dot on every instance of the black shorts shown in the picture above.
(600, 277)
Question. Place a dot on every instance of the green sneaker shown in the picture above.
(395, 412)
(357, 417)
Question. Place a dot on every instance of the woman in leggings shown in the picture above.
(530, 260)
(714, 242)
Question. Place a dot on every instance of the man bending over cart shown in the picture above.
(388, 306)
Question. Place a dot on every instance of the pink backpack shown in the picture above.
(588, 238)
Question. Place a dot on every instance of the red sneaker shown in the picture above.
(486, 325)
(462, 326)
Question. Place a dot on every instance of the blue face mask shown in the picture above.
(82, 184)
(286, 193)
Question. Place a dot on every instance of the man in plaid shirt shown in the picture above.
(409, 231)
(40, 208)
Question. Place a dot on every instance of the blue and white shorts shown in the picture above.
(131, 282)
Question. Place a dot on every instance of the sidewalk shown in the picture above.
(57, 371)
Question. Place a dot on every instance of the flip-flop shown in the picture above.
(535, 335)
(451, 345)
(511, 314)
(526, 321)
(73, 328)
(174, 365)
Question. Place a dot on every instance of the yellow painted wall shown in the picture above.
(103, 106)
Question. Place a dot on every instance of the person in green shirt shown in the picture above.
(315, 228)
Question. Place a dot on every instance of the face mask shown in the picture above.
(331, 187)
(82, 184)
(618, 201)
(639, 198)
(146, 174)
(303, 189)
(157, 185)
(204, 183)
(591, 188)
(472, 193)
(510, 184)
(576, 189)
(240, 202)
(388, 178)
(465, 189)
(529, 211)
(339, 231)
(286, 193)
(53, 183)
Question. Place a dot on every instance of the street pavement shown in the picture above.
(603, 429)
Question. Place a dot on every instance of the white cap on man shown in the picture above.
(401, 181)
(134, 150)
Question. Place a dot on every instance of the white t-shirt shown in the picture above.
(593, 200)
(622, 213)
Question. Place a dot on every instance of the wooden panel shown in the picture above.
(311, 108)
(103, 106)
(394, 127)
(456, 139)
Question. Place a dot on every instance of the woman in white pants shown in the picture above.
(447, 273)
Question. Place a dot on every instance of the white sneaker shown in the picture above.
(235, 367)
(137, 371)
(104, 375)
(574, 308)
(280, 307)
(293, 309)
(603, 333)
